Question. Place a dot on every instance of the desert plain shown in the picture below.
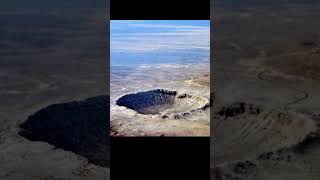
(53, 54)
(177, 95)
(266, 86)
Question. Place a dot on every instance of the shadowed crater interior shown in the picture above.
(160, 100)
(80, 126)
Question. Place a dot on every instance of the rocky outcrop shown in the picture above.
(238, 108)
(80, 126)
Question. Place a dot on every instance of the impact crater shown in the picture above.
(161, 101)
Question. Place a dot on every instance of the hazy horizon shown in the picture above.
(136, 42)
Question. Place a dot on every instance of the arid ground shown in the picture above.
(51, 52)
(266, 83)
(177, 97)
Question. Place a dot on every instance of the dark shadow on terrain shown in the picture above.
(79, 126)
